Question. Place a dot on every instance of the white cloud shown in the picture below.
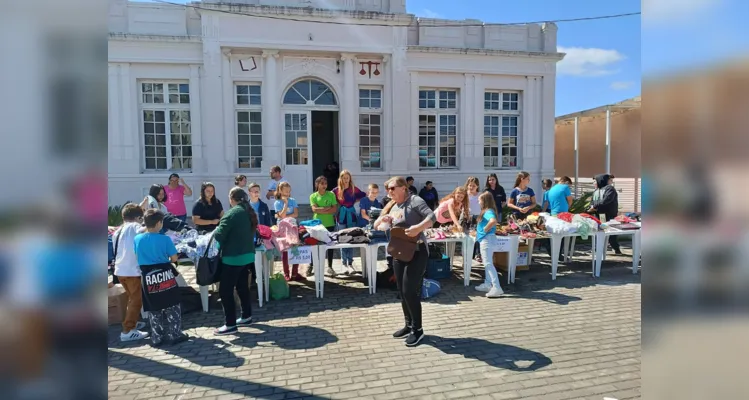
(426, 13)
(670, 11)
(581, 61)
(621, 85)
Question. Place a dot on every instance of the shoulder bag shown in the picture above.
(209, 268)
(401, 246)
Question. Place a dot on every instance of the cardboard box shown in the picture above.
(500, 259)
(116, 304)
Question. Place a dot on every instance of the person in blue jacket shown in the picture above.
(261, 209)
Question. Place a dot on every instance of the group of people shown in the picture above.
(144, 262)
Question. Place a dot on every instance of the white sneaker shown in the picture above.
(350, 270)
(483, 287)
(330, 272)
(495, 292)
(133, 335)
(140, 325)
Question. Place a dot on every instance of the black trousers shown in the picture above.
(235, 277)
(409, 276)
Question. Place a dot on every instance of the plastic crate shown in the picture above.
(439, 268)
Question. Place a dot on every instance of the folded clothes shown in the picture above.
(310, 222)
(353, 232)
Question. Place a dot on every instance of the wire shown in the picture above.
(414, 19)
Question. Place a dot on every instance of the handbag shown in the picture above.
(401, 246)
(209, 268)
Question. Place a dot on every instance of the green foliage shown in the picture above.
(114, 215)
(581, 204)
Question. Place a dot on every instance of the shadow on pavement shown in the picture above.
(172, 373)
(288, 338)
(497, 355)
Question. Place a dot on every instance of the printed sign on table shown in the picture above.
(503, 245)
(300, 255)
(522, 258)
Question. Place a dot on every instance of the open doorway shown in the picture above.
(325, 141)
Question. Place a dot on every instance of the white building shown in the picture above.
(215, 90)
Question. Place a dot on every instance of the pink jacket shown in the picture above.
(287, 234)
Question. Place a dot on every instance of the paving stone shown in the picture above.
(576, 337)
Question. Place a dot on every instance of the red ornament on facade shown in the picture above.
(369, 71)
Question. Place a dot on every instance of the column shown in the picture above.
(401, 111)
(227, 112)
(272, 131)
(196, 125)
(548, 123)
(411, 139)
(386, 153)
(349, 107)
(130, 129)
(114, 135)
(211, 88)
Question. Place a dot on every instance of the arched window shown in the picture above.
(310, 92)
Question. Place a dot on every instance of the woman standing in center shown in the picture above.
(413, 214)
(235, 235)
(347, 195)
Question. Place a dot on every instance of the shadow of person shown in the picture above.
(494, 354)
(549, 297)
(206, 352)
(289, 338)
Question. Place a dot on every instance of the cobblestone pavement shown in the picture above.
(574, 338)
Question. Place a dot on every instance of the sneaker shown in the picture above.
(483, 287)
(140, 325)
(133, 335)
(244, 321)
(495, 292)
(414, 338)
(310, 271)
(287, 277)
(618, 252)
(225, 330)
(402, 333)
(298, 278)
(350, 270)
(330, 272)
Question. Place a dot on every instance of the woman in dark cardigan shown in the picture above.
(235, 235)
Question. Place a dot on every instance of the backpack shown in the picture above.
(430, 288)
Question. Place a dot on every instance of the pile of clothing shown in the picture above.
(193, 246)
(350, 235)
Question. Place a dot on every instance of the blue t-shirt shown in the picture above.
(278, 206)
(522, 198)
(365, 204)
(480, 234)
(256, 207)
(558, 198)
(153, 248)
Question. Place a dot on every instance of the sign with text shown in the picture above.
(503, 245)
(522, 258)
(300, 255)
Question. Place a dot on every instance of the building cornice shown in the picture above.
(311, 13)
(487, 52)
(133, 37)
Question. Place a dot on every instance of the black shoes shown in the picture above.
(402, 333)
(414, 338)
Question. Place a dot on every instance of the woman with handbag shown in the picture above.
(408, 217)
(235, 235)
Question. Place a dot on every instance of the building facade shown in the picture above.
(214, 90)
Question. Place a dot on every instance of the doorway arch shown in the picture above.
(311, 126)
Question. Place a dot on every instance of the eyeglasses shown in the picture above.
(391, 188)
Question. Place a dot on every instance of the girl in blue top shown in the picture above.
(522, 199)
(487, 239)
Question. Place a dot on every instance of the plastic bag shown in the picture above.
(557, 226)
(279, 288)
(430, 288)
(584, 226)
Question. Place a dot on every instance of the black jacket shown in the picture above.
(605, 198)
(430, 197)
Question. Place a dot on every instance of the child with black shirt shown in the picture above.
(156, 253)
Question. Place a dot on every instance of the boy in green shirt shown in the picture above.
(324, 206)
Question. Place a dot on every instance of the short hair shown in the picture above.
(152, 217)
(565, 179)
(428, 183)
(253, 185)
(275, 168)
(239, 178)
(131, 212)
(409, 178)
(547, 183)
(373, 186)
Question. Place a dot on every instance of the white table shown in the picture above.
(374, 248)
(268, 266)
(601, 238)
(322, 250)
(467, 241)
(259, 271)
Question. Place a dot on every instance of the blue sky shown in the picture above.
(603, 61)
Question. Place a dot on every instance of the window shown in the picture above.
(166, 126)
(310, 92)
(438, 129)
(249, 126)
(370, 129)
(501, 118)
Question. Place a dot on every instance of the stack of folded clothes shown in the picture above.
(350, 235)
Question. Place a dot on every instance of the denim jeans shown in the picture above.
(347, 255)
(487, 246)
